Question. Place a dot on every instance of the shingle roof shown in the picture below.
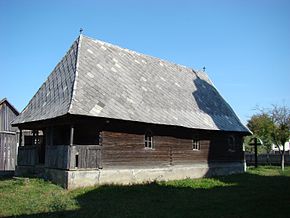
(103, 80)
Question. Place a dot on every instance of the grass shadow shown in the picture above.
(245, 195)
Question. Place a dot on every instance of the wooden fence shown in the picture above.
(8, 151)
(264, 159)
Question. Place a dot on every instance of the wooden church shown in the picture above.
(111, 115)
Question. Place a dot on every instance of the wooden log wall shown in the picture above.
(220, 150)
(8, 147)
(123, 149)
(127, 150)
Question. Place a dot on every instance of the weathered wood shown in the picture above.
(20, 138)
(124, 149)
(7, 151)
(64, 156)
(8, 137)
(57, 157)
(123, 145)
(27, 156)
(7, 114)
(71, 135)
(89, 156)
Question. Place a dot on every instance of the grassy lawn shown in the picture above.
(262, 192)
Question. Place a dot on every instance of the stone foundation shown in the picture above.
(71, 179)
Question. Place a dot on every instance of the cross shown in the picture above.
(81, 30)
(255, 142)
(203, 69)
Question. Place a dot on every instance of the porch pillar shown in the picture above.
(46, 136)
(33, 137)
(50, 135)
(37, 137)
(20, 137)
(71, 142)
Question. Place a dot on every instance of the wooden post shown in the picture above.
(20, 138)
(71, 135)
(37, 137)
(46, 136)
(256, 152)
(50, 135)
(33, 137)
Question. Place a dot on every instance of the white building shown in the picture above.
(287, 147)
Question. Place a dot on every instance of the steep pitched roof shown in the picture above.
(103, 80)
(53, 98)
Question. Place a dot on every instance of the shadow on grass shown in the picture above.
(245, 195)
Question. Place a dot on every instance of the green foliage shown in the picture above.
(244, 195)
(262, 126)
(281, 119)
(271, 126)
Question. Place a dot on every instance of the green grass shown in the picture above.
(262, 192)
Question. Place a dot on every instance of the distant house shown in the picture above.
(112, 115)
(275, 148)
(8, 136)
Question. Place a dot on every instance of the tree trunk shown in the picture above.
(268, 158)
(282, 161)
(283, 158)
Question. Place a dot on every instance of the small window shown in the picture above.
(195, 144)
(148, 140)
(231, 143)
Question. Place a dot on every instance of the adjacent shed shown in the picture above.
(111, 115)
(8, 136)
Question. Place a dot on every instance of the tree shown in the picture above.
(262, 126)
(280, 116)
(272, 126)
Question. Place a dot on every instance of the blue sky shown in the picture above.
(244, 45)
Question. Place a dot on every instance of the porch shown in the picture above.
(66, 157)
(63, 147)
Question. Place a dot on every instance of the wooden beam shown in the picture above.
(20, 138)
(33, 137)
(71, 135)
(51, 129)
(46, 134)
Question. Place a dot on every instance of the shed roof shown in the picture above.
(99, 79)
(4, 100)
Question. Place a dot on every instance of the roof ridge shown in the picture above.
(2, 100)
(79, 40)
(140, 53)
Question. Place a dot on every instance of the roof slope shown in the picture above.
(112, 82)
(53, 98)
